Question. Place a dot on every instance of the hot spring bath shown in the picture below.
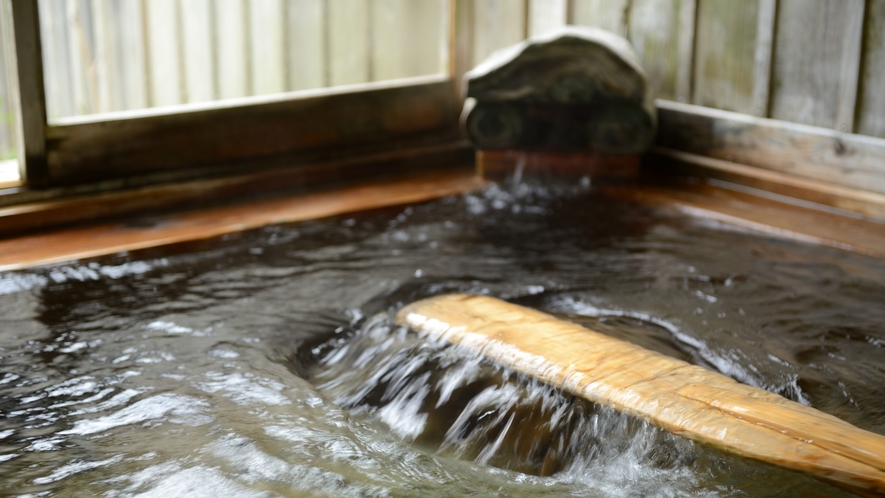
(268, 364)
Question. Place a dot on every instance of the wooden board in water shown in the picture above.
(684, 399)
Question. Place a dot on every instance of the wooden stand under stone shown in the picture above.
(498, 165)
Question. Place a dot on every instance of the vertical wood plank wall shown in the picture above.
(817, 62)
(113, 55)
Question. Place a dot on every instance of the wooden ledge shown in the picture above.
(38, 210)
(110, 238)
(681, 164)
(684, 399)
(761, 214)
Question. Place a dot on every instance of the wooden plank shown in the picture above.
(814, 74)
(306, 124)
(166, 75)
(81, 56)
(199, 50)
(232, 40)
(849, 160)
(546, 15)
(105, 57)
(660, 31)
(497, 24)
(871, 104)
(762, 212)
(55, 40)
(725, 56)
(119, 56)
(685, 40)
(461, 41)
(685, 399)
(32, 102)
(820, 195)
(408, 38)
(607, 14)
(28, 210)
(849, 71)
(306, 39)
(268, 46)
(350, 42)
(7, 85)
(765, 31)
(89, 242)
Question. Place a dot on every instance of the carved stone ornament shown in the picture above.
(573, 89)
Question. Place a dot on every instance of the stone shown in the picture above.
(573, 89)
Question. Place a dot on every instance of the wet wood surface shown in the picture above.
(795, 189)
(814, 153)
(500, 165)
(760, 213)
(684, 399)
(110, 238)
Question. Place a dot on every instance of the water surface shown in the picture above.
(267, 363)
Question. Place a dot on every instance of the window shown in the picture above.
(165, 90)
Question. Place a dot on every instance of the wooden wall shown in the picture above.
(816, 62)
(112, 55)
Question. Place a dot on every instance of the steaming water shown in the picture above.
(267, 364)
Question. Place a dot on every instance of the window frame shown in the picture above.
(198, 140)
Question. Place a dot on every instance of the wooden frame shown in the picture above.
(809, 152)
(187, 141)
(32, 100)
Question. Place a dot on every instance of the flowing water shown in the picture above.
(267, 363)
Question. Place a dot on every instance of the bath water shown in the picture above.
(267, 363)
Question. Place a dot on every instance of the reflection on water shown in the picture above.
(267, 364)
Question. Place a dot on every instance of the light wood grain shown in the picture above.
(813, 77)
(497, 24)
(765, 182)
(849, 69)
(871, 104)
(660, 31)
(166, 68)
(725, 55)
(546, 15)
(408, 38)
(268, 46)
(817, 153)
(232, 42)
(7, 84)
(761, 212)
(606, 14)
(306, 39)
(461, 41)
(198, 29)
(57, 40)
(350, 42)
(88, 242)
(765, 33)
(685, 399)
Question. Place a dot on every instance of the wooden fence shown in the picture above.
(816, 62)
